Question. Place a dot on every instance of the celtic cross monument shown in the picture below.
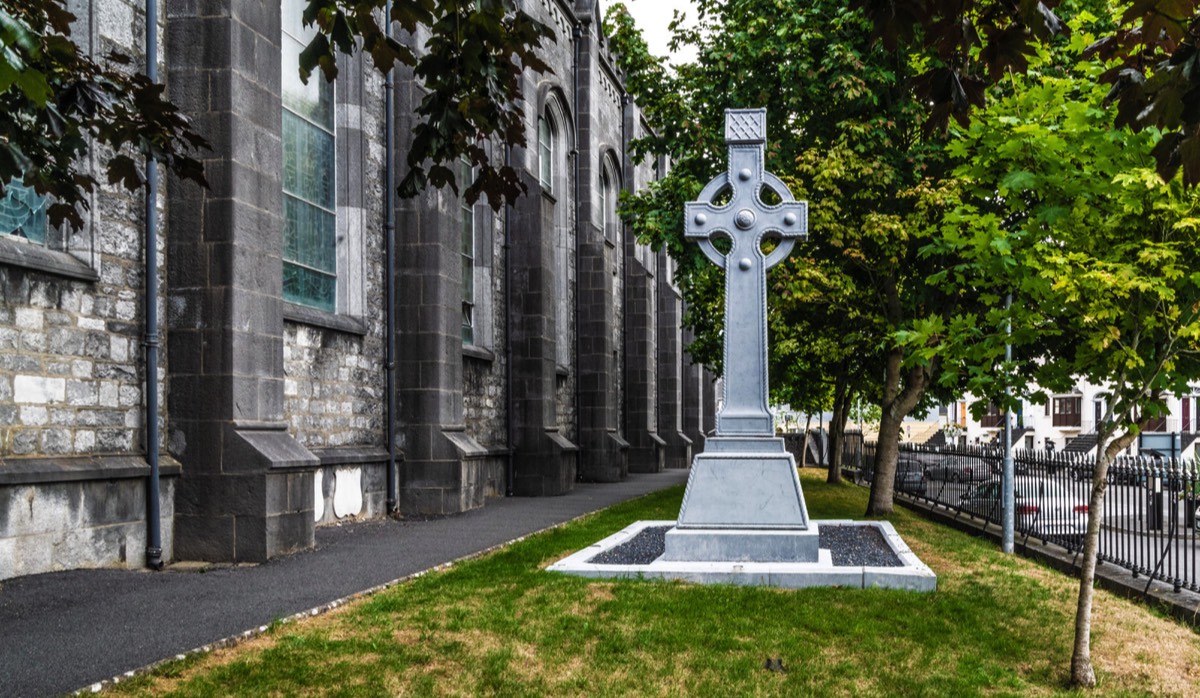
(743, 499)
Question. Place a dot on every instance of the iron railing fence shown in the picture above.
(1151, 525)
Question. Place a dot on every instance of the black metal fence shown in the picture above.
(1151, 525)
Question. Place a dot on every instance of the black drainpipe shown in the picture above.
(389, 234)
(577, 33)
(510, 402)
(153, 526)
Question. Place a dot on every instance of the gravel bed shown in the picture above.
(858, 546)
(644, 548)
(851, 546)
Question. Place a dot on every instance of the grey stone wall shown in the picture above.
(71, 376)
(640, 323)
(678, 452)
(542, 250)
(50, 526)
(276, 411)
(693, 405)
(334, 392)
(334, 386)
(247, 489)
(603, 452)
(71, 368)
(485, 361)
(483, 401)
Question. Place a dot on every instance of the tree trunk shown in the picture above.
(807, 436)
(837, 427)
(896, 405)
(1082, 673)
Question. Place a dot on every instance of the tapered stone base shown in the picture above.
(743, 504)
(744, 483)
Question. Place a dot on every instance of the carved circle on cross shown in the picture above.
(745, 219)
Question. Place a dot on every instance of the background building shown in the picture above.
(1067, 423)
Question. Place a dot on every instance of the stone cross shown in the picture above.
(745, 221)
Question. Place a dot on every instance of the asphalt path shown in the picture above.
(64, 631)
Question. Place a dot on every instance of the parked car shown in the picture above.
(1118, 473)
(910, 476)
(1043, 507)
(959, 469)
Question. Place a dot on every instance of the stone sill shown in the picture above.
(497, 452)
(470, 351)
(38, 258)
(354, 455)
(304, 315)
(41, 470)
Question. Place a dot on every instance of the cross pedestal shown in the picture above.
(743, 499)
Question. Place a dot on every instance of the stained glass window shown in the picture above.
(23, 212)
(309, 195)
(468, 257)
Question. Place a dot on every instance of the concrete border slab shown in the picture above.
(913, 575)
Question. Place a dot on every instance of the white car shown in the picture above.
(1043, 507)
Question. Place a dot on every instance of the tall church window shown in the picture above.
(468, 256)
(609, 187)
(23, 213)
(309, 164)
(554, 140)
(546, 153)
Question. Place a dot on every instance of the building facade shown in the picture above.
(534, 347)
(1067, 422)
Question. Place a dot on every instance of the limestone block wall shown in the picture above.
(72, 469)
(486, 361)
(70, 369)
(334, 363)
(55, 526)
(334, 387)
(484, 401)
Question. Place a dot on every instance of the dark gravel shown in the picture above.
(854, 546)
(644, 548)
(850, 546)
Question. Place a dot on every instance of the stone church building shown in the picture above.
(520, 351)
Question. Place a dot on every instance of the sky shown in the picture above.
(653, 17)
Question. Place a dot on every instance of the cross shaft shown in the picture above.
(745, 221)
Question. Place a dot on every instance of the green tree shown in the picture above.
(1153, 46)
(1070, 212)
(846, 133)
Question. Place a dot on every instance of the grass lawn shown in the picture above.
(500, 625)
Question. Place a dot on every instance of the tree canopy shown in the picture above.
(1066, 209)
(1152, 50)
(846, 133)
